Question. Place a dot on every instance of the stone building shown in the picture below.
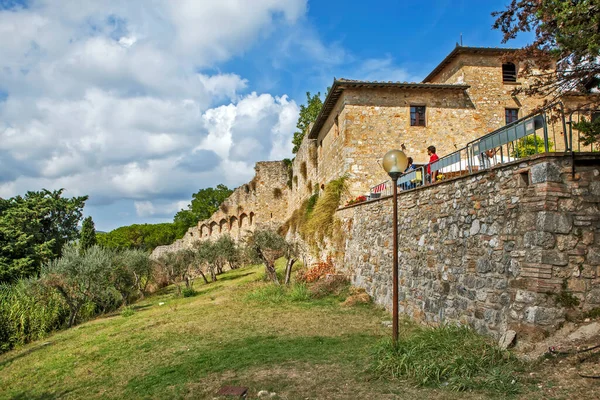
(494, 249)
(466, 96)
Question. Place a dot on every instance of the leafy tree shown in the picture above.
(206, 253)
(228, 252)
(204, 203)
(138, 236)
(308, 114)
(590, 130)
(266, 246)
(88, 234)
(79, 277)
(567, 36)
(34, 229)
(131, 272)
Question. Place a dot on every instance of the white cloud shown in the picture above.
(126, 100)
(120, 100)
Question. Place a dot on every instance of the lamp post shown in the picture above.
(394, 163)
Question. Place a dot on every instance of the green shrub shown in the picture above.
(320, 221)
(299, 292)
(449, 356)
(188, 292)
(28, 312)
(127, 312)
(530, 145)
(276, 294)
(267, 294)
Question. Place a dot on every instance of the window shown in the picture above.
(417, 115)
(509, 72)
(511, 115)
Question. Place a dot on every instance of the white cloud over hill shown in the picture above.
(123, 99)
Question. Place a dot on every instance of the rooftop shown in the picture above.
(339, 85)
(464, 50)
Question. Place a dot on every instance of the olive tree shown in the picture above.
(79, 277)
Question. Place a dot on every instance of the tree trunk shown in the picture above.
(213, 275)
(288, 269)
(269, 267)
(203, 276)
(73, 316)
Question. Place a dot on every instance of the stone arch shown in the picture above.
(222, 224)
(252, 215)
(243, 221)
(234, 227)
(214, 228)
(204, 230)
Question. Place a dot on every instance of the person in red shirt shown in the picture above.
(432, 158)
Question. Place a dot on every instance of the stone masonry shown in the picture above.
(261, 203)
(498, 249)
(507, 248)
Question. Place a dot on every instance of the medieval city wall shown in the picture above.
(500, 249)
(304, 174)
(261, 203)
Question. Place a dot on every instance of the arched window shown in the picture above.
(509, 72)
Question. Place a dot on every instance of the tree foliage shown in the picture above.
(567, 37)
(79, 277)
(138, 236)
(204, 203)
(530, 145)
(590, 130)
(88, 234)
(33, 230)
(131, 273)
(308, 114)
(266, 246)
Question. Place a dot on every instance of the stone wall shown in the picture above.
(504, 248)
(261, 203)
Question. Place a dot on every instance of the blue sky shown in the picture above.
(140, 106)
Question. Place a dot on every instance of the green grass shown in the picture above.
(239, 330)
(449, 356)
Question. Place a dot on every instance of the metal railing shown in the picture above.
(382, 189)
(541, 132)
(577, 142)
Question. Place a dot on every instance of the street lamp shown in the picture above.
(394, 163)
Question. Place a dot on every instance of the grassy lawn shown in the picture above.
(234, 332)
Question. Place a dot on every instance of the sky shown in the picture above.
(141, 103)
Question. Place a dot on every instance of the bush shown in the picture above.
(28, 312)
(188, 292)
(299, 292)
(530, 145)
(451, 356)
(321, 220)
(127, 312)
(316, 272)
(276, 294)
(267, 294)
(336, 285)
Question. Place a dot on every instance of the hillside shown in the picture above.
(238, 331)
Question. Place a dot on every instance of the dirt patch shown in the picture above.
(309, 381)
(357, 296)
(564, 359)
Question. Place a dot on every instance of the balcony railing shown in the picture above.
(542, 132)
